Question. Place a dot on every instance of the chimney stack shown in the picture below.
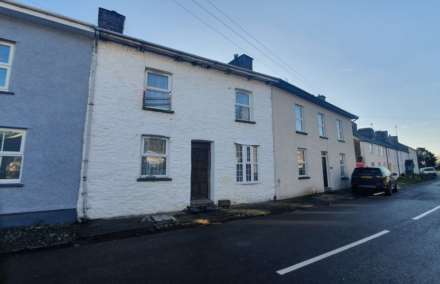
(111, 20)
(322, 97)
(243, 61)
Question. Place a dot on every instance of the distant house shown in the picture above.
(313, 142)
(379, 149)
(44, 74)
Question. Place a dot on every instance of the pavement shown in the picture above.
(375, 239)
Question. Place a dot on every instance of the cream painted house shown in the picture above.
(313, 142)
(169, 129)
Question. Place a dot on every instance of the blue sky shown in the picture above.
(377, 59)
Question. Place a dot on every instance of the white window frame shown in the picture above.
(13, 154)
(168, 90)
(339, 130)
(250, 106)
(166, 155)
(321, 125)
(244, 162)
(299, 108)
(304, 151)
(7, 66)
(342, 165)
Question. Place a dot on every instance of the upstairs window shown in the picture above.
(339, 130)
(154, 156)
(157, 93)
(243, 105)
(6, 55)
(247, 163)
(321, 124)
(299, 118)
(11, 155)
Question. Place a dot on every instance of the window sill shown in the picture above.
(323, 137)
(342, 141)
(301, 132)
(7, 93)
(248, 183)
(158, 109)
(245, 121)
(141, 179)
(304, 177)
(11, 185)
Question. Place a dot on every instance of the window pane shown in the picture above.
(10, 167)
(299, 117)
(4, 53)
(3, 73)
(2, 133)
(157, 99)
(157, 81)
(248, 172)
(254, 153)
(248, 154)
(155, 145)
(255, 172)
(153, 166)
(239, 153)
(242, 113)
(12, 141)
(242, 98)
(239, 172)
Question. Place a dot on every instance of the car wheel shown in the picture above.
(389, 190)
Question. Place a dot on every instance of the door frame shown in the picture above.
(325, 154)
(210, 167)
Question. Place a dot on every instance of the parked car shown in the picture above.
(374, 179)
(428, 172)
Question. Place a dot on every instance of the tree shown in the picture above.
(426, 158)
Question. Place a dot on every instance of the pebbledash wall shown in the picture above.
(203, 104)
(287, 140)
(47, 99)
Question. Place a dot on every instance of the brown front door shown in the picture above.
(200, 170)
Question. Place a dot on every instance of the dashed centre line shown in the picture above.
(330, 253)
(426, 213)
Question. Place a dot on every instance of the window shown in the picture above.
(158, 91)
(299, 118)
(247, 163)
(154, 156)
(342, 164)
(11, 155)
(243, 105)
(339, 130)
(6, 55)
(321, 124)
(301, 159)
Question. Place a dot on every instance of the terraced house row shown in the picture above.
(97, 124)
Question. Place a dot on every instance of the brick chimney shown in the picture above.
(243, 61)
(111, 20)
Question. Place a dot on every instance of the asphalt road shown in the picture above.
(367, 240)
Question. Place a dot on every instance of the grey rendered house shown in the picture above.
(44, 83)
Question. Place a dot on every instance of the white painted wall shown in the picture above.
(287, 141)
(203, 101)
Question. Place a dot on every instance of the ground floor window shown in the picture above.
(154, 156)
(342, 164)
(11, 155)
(247, 163)
(301, 160)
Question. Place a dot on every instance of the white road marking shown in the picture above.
(330, 253)
(426, 213)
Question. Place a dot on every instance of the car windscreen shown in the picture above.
(367, 172)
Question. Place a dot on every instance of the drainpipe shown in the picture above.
(386, 155)
(82, 200)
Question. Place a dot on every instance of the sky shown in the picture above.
(377, 59)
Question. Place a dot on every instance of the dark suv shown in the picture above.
(374, 179)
